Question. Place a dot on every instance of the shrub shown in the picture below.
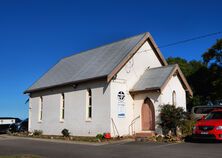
(159, 138)
(171, 117)
(65, 132)
(37, 133)
(187, 127)
(99, 136)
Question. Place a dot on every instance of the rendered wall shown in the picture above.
(174, 84)
(126, 78)
(75, 110)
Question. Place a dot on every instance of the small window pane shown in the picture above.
(63, 106)
(89, 106)
(90, 112)
(174, 98)
(41, 108)
(90, 101)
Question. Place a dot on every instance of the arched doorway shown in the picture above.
(148, 115)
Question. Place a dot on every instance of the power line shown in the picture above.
(191, 39)
(186, 40)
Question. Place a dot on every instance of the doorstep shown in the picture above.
(145, 134)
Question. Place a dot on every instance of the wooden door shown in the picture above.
(148, 115)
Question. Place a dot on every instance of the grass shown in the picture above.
(59, 137)
(70, 138)
(21, 156)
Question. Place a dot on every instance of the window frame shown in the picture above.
(89, 105)
(174, 98)
(62, 107)
(40, 109)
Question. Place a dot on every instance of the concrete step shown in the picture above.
(143, 136)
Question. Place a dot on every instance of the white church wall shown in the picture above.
(144, 58)
(174, 84)
(126, 78)
(75, 111)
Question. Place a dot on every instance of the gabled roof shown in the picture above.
(101, 62)
(155, 79)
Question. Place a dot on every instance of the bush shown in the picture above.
(37, 133)
(99, 136)
(159, 138)
(65, 132)
(171, 117)
(187, 127)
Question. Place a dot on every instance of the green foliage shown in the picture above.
(213, 59)
(216, 81)
(196, 100)
(184, 65)
(37, 133)
(65, 132)
(171, 117)
(159, 138)
(187, 127)
(214, 54)
(99, 136)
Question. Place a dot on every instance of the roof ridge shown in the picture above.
(86, 51)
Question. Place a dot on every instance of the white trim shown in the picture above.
(88, 105)
(88, 120)
(174, 98)
(62, 108)
(41, 104)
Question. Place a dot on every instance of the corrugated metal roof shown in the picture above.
(94, 63)
(153, 78)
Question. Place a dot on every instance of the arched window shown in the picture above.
(89, 104)
(174, 98)
(62, 113)
(40, 108)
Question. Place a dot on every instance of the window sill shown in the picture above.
(88, 120)
(61, 121)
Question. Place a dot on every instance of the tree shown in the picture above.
(188, 68)
(184, 65)
(213, 59)
(214, 54)
(216, 81)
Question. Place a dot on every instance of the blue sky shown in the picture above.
(34, 35)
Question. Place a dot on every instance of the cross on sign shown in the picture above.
(121, 95)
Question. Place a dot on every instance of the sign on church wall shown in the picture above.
(121, 104)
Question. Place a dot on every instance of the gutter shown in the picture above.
(64, 84)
